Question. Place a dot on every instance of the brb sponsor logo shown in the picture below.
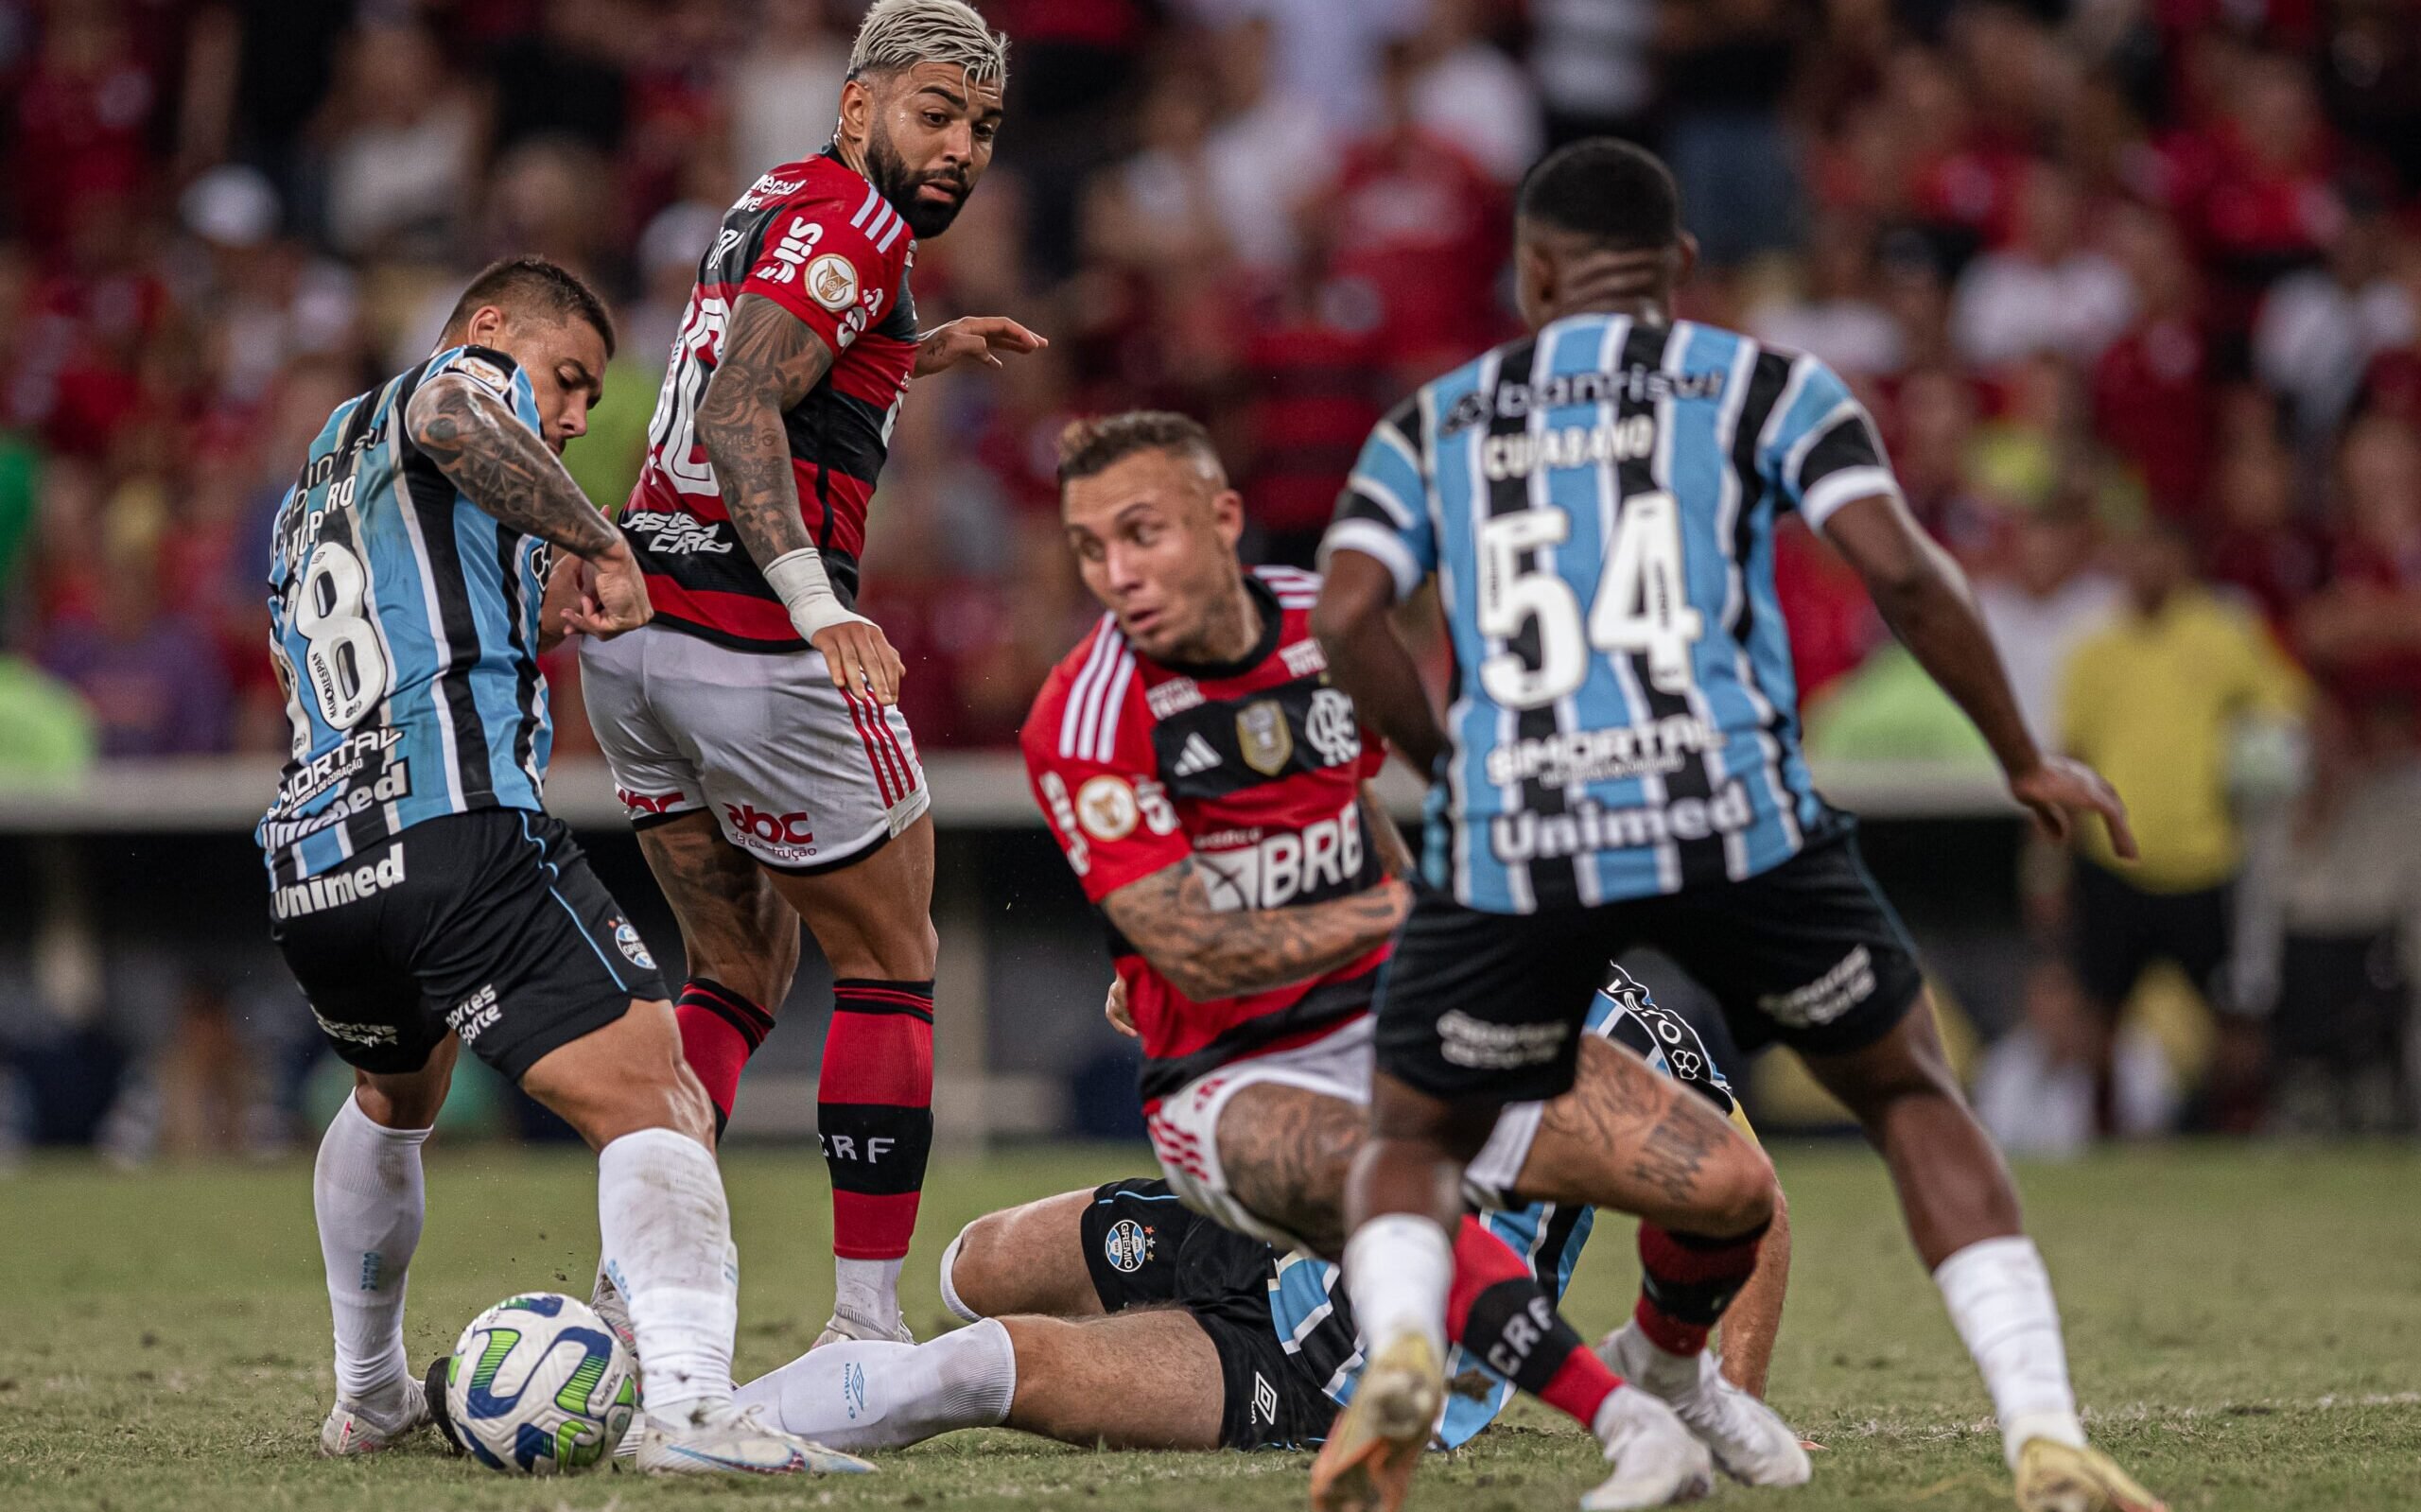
(1590, 826)
(1290, 866)
(784, 837)
(337, 889)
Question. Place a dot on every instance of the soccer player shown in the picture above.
(749, 728)
(1208, 787)
(421, 893)
(1118, 1315)
(1620, 764)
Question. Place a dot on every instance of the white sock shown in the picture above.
(861, 1395)
(1397, 1268)
(667, 1240)
(867, 1291)
(366, 1191)
(2001, 1299)
(951, 1299)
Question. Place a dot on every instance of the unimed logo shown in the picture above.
(337, 888)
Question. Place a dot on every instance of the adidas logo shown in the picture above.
(1197, 758)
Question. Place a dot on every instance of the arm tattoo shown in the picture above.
(1207, 954)
(770, 361)
(1285, 1149)
(502, 466)
(1675, 1149)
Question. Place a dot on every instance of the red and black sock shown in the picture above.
(874, 1110)
(1498, 1311)
(720, 1029)
(1686, 1281)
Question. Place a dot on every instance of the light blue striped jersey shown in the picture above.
(404, 623)
(1597, 502)
(1309, 1309)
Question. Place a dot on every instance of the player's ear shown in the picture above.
(1227, 514)
(486, 325)
(1685, 258)
(857, 112)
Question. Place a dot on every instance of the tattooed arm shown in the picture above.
(506, 469)
(1207, 954)
(770, 361)
(1395, 852)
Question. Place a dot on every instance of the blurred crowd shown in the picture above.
(2133, 288)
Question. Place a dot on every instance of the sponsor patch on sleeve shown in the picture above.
(484, 373)
(831, 280)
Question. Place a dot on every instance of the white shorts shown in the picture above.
(1185, 1130)
(799, 774)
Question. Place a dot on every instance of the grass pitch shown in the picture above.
(2246, 1324)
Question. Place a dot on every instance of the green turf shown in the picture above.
(2246, 1328)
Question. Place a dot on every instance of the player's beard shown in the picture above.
(900, 185)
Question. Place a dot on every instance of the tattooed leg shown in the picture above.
(1286, 1150)
(735, 928)
(1627, 1138)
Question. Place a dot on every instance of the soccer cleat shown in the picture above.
(363, 1428)
(605, 1300)
(2056, 1477)
(1749, 1441)
(1368, 1461)
(729, 1440)
(844, 1327)
(1657, 1461)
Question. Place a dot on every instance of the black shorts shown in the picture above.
(1147, 1249)
(1492, 1005)
(487, 924)
(2120, 930)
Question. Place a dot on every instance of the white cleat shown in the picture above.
(1749, 1441)
(845, 1326)
(366, 1428)
(1657, 1461)
(605, 1300)
(730, 1440)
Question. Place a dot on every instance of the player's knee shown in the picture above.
(403, 1102)
(967, 1266)
(1742, 1193)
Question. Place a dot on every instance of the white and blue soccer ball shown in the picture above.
(539, 1385)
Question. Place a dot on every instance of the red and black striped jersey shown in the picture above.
(1252, 770)
(818, 239)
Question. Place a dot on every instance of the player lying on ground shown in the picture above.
(749, 728)
(1597, 502)
(421, 893)
(1118, 1316)
(1208, 787)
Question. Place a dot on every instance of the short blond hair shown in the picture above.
(1097, 443)
(901, 34)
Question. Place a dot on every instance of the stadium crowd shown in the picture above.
(2133, 288)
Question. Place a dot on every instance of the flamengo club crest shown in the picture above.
(1260, 730)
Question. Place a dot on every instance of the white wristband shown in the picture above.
(807, 593)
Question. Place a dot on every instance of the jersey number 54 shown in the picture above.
(1641, 606)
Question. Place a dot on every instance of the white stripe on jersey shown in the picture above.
(874, 198)
(1797, 456)
(1386, 498)
(1080, 691)
(893, 234)
(1121, 674)
(1386, 430)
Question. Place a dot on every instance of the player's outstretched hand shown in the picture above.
(2060, 791)
(612, 596)
(1115, 1009)
(860, 659)
(973, 338)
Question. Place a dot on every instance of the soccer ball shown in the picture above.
(539, 1385)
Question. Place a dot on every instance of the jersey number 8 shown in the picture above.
(342, 659)
(1641, 608)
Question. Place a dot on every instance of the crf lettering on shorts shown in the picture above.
(1590, 826)
(1850, 981)
(475, 1014)
(1288, 865)
(647, 803)
(337, 888)
(784, 837)
(1467, 1041)
(1582, 757)
(868, 1151)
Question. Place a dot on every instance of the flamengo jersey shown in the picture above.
(819, 240)
(1316, 1322)
(1254, 770)
(403, 622)
(1598, 504)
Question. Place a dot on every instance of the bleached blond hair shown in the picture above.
(902, 33)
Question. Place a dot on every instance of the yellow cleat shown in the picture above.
(1368, 1461)
(2056, 1477)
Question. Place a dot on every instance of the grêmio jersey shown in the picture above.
(818, 239)
(1597, 502)
(1253, 770)
(1314, 1321)
(403, 626)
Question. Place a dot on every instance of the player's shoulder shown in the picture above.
(1295, 587)
(1083, 701)
(494, 371)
